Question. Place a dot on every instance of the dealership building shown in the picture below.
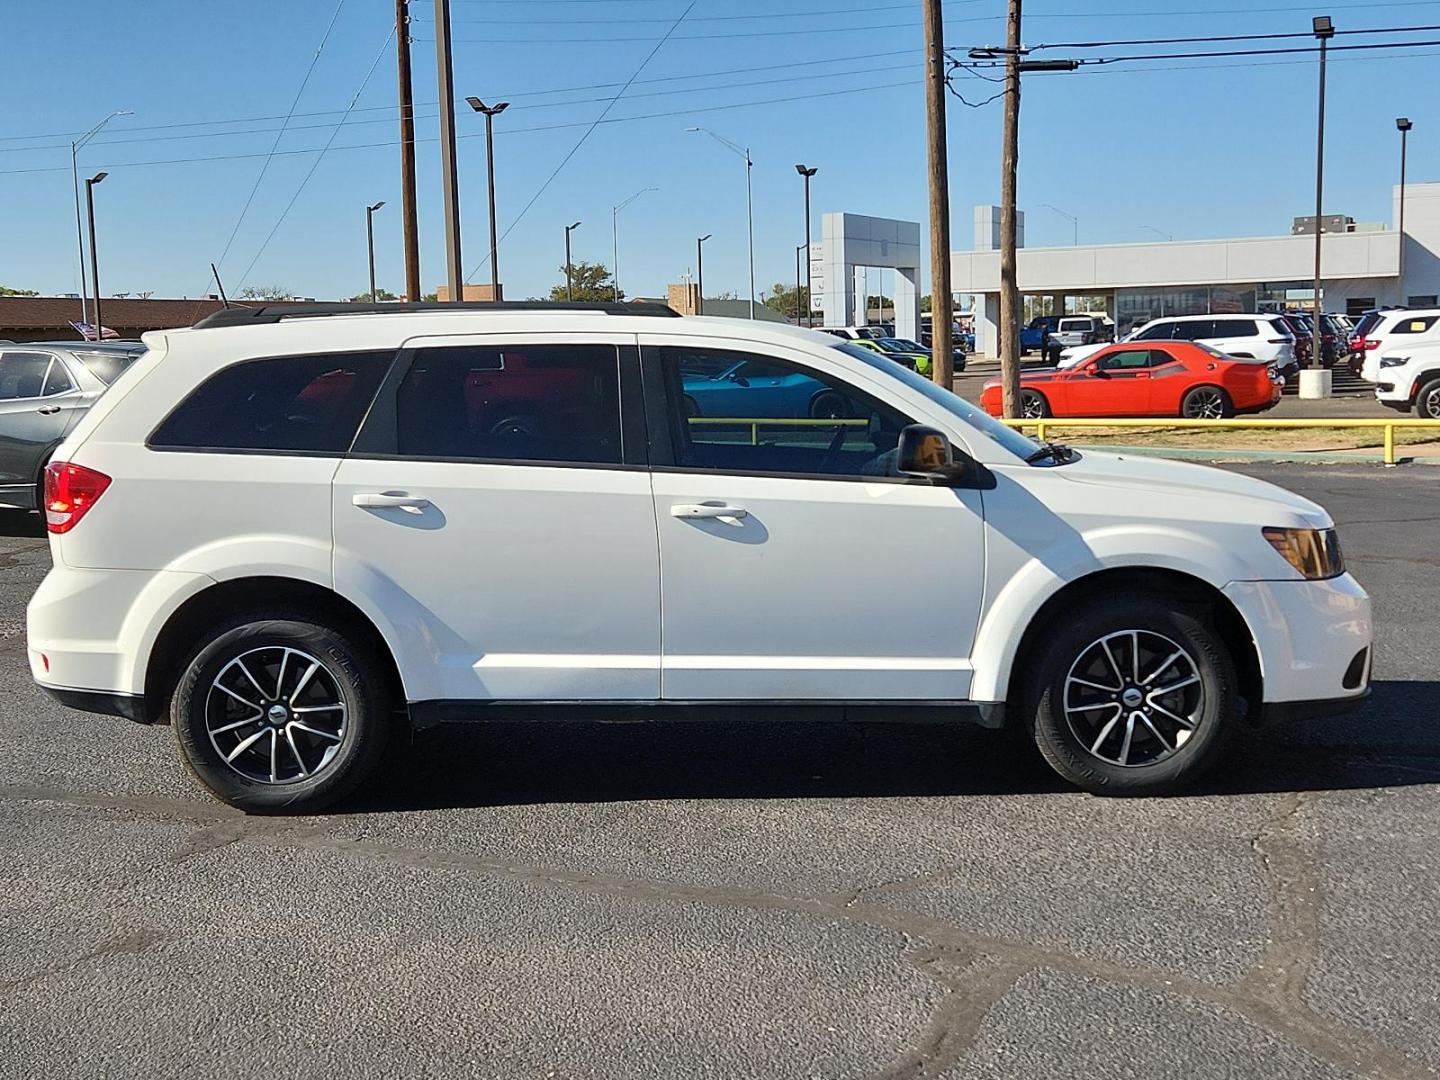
(1362, 266)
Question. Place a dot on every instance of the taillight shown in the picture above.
(1366, 344)
(70, 491)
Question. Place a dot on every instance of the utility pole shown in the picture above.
(449, 176)
(700, 274)
(942, 315)
(1324, 29)
(408, 214)
(1009, 288)
(569, 271)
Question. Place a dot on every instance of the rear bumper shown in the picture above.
(130, 706)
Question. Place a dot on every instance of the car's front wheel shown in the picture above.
(1427, 400)
(276, 713)
(1132, 697)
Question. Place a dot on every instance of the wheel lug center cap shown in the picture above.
(1132, 697)
(277, 714)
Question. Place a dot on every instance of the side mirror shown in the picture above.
(1098, 372)
(926, 451)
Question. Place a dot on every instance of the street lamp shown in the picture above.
(94, 259)
(615, 238)
(807, 174)
(1158, 232)
(491, 111)
(700, 274)
(569, 276)
(75, 183)
(1402, 125)
(370, 242)
(798, 250)
(1324, 30)
(744, 152)
(1074, 223)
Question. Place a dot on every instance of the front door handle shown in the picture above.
(372, 500)
(707, 510)
(48, 410)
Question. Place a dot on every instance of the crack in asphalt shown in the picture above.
(976, 970)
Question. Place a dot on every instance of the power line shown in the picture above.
(319, 158)
(708, 18)
(1099, 60)
(1223, 37)
(494, 243)
(807, 32)
(264, 167)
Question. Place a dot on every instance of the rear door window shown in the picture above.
(1233, 328)
(1195, 330)
(57, 380)
(298, 404)
(22, 374)
(512, 403)
(1161, 331)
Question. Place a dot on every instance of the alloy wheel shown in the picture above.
(1205, 404)
(276, 715)
(1133, 698)
(1429, 402)
(1032, 407)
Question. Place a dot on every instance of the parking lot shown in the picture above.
(730, 899)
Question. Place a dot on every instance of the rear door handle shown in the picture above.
(707, 510)
(48, 410)
(372, 500)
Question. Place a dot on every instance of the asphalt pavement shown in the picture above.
(735, 899)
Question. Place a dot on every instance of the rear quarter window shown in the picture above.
(298, 404)
(1414, 324)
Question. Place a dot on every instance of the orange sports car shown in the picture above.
(1146, 378)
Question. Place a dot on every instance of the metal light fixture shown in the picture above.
(490, 112)
(806, 174)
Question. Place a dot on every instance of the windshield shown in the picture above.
(972, 415)
(906, 344)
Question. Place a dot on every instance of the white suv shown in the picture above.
(1408, 377)
(1263, 337)
(1381, 333)
(294, 533)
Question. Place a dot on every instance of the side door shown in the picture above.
(794, 564)
(38, 402)
(497, 507)
(1115, 382)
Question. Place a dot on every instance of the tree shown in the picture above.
(782, 299)
(380, 294)
(5, 290)
(925, 302)
(592, 281)
(266, 292)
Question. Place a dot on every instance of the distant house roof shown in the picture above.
(35, 317)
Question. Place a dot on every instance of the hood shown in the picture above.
(1230, 496)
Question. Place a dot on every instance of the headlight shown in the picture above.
(1394, 361)
(1315, 553)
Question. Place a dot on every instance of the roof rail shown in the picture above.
(273, 313)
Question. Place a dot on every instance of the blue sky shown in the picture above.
(1218, 147)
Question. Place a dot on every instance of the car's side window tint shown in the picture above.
(1158, 332)
(1125, 359)
(1159, 358)
(297, 403)
(22, 374)
(1415, 326)
(758, 414)
(520, 403)
(57, 380)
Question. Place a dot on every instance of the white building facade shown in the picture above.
(1361, 269)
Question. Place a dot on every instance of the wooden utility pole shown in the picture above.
(942, 356)
(1009, 290)
(408, 217)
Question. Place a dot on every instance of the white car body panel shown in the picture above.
(1392, 342)
(524, 582)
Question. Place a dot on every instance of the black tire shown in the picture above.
(1427, 400)
(1154, 766)
(829, 405)
(349, 671)
(690, 406)
(1033, 405)
(1207, 403)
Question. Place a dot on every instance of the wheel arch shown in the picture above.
(223, 599)
(1176, 587)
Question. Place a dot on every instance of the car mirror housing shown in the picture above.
(927, 452)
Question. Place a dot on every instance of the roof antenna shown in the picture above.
(219, 286)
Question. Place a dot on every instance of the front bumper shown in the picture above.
(1310, 636)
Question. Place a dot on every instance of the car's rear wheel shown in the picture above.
(828, 405)
(275, 713)
(1132, 697)
(1033, 405)
(1206, 403)
(1427, 400)
(690, 407)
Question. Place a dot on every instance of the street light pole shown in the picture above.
(798, 250)
(94, 258)
(370, 242)
(1074, 223)
(744, 152)
(491, 111)
(1324, 29)
(700, 274)
(1402, 125)
(1158, 232)
(615, 238)
(807, 173)
(75, 183)
(569, 275)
